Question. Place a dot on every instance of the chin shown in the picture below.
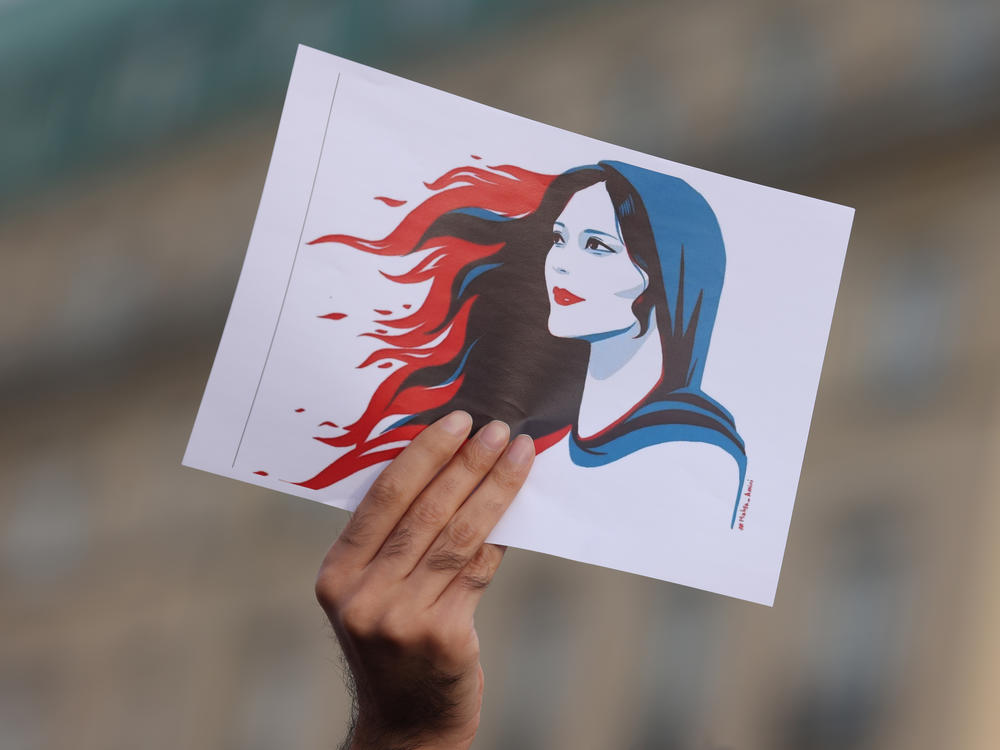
(592, 336)
(556, 331)
(565, 332)
(560, 330)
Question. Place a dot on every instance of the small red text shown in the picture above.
(745, 505)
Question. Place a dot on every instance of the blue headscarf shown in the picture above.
(692, 261)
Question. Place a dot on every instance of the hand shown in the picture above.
(402, 582)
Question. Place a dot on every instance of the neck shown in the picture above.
(621, 371)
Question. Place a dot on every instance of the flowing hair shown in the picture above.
(480, 340)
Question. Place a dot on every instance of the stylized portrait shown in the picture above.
(578, 308)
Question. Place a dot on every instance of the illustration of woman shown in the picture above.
(577, 305)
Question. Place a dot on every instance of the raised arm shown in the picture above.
(402, 582)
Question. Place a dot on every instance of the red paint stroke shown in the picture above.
(333, 316)
(505, 190)
(547, 441)
(384, 365)
(384, 312)
(475, 156)
(299, 411)
(328, 424)
(362, 456)
(261, 473)
(389, 201)
(381, 330)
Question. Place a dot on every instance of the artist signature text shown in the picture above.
(745, 505)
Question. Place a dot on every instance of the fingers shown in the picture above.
(463, 593)
(396, 487)
(433, 508)
(426, 518)
(460, 541)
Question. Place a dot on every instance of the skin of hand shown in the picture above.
(401, 584)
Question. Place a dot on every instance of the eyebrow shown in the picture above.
(603, 234)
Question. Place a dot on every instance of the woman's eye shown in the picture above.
(558, 239)
(593, 243)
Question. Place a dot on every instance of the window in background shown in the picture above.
(151, 704)
(46, 533)
(791, 82)
(856, 637)
(533, 696)
(658, 118)
(914, 326)
(274, 706)
(26, 702)
(681, 637)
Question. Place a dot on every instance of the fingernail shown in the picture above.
(522, 450)
(457, 423)
(495, 435)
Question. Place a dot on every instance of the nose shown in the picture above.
(556, 260)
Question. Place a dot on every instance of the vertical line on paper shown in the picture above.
(291, 270)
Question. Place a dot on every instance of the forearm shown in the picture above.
(354, 742)
(371, 734)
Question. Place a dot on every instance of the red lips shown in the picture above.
(564, 296)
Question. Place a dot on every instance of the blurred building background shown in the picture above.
(146, 605)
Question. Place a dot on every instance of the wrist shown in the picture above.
(361, 745)
(366, 737)
(384, 743)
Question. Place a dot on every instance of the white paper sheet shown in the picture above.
(672, 452)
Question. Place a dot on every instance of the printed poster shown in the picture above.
(657, 329)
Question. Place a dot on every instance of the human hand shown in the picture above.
(401, 584)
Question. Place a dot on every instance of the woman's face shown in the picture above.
(591, 279)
